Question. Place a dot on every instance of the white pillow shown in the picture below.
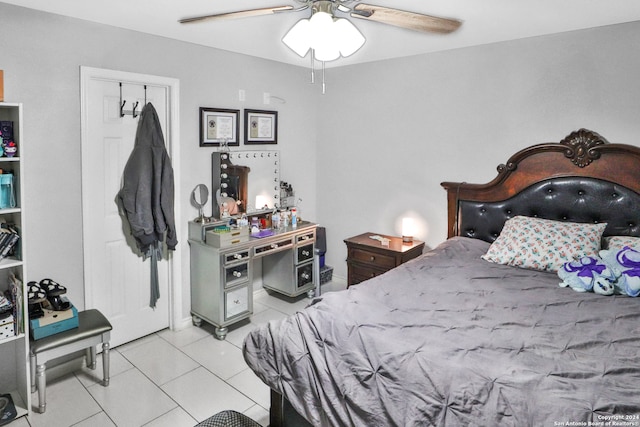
(543, 244)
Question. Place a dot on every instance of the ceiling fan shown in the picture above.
(327, 35)
(396, 17)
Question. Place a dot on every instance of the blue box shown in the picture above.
(53, 322)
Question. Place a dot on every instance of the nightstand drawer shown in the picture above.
(359, 272)
(372, 258)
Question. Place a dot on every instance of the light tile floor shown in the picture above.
(170, 378)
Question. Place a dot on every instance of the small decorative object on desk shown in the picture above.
(263, 233)
(287, 195)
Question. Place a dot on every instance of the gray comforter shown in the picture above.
(451, 340)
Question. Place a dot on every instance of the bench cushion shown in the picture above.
(90, 323)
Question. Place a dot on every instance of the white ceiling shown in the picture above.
(484, 21)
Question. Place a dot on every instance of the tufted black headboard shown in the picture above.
(581, 179)
(572, 199)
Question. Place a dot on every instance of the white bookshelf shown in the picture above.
(14, 351)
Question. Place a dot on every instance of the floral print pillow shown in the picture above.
(619, 242)
(543, 244)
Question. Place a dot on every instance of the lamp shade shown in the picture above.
(329, 38)
(407, 230)
(323, 37)
(298, 39)
(348, 37)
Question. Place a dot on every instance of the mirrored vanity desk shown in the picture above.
(222, 266)
(222, 277)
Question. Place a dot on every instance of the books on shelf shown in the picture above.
(16, 291)
(11, 315)
(9, 237)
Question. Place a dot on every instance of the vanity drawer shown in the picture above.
(304, 275)
(303, 238)
(236, 256)
(372, 258)
(236, 302)
(236, 274)
(304, 253)
(273, 247)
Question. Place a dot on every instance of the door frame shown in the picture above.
(173, 148)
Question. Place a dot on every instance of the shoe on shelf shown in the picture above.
(54, 290)
(35, 294)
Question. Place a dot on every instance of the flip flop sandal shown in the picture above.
(59, 304)
(53, 289)
(35, 294)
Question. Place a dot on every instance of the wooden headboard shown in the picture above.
(582, 178)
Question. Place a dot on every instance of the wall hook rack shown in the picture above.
(133, 111)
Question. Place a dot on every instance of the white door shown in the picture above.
(117, 279)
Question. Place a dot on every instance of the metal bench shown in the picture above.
(93, 329)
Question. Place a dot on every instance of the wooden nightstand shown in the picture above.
(367, 258)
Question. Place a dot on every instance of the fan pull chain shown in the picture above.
(313, 71)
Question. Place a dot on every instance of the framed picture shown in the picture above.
(261, 127)
(219, 126)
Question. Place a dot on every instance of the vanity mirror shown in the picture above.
(199, 198)
(245, 181)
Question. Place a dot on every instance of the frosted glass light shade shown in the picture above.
(323, 40)
(328, 37)
(298, 39)
(348, 37)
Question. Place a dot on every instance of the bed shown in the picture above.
(451, 339)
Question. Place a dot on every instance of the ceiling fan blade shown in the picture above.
(239, 14)
(403, 19)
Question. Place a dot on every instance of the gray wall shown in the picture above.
(400, 127)
(373, 149)
(41, 55)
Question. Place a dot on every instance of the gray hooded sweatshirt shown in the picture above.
(147, 193)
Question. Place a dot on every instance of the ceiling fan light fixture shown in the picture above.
(321, 29)
(348, 36)
(329, 37)
(323, 37)
(326, 52)
(298, 38)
